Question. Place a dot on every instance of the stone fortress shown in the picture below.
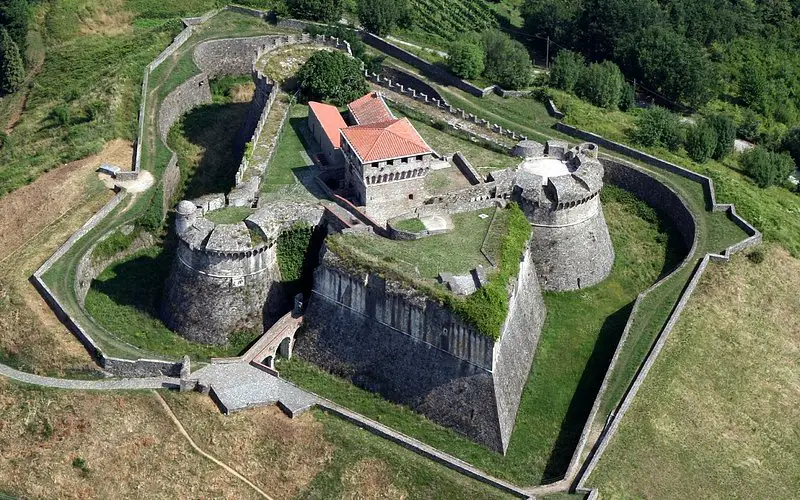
(385, 335)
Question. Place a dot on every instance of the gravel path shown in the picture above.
(89, 385)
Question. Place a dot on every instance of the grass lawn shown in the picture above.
(718, 411)
(291, 172)
(427, 257)
(579, 336)
(413, 225)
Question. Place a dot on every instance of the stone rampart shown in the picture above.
(186, 96)
(430, 70)
(408, 80)
(391, 339)
(465, 167)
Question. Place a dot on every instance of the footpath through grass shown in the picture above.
(710, 420)
(579, 336)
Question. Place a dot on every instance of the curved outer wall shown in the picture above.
(571, 247)
(388, 338)
(210, 295)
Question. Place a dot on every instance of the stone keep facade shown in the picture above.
(559, 193)
(225, 277)
(391, 339)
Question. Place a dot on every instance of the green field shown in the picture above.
(717, 414)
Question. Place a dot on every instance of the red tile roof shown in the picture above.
(370, 108)
(330, 119)
(385, 140)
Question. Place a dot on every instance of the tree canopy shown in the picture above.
(465, 59)
(317, 10)
(332, 76)
(382, 16)
(12, 70)
(507, 61)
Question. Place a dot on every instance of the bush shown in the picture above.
(566, 70)
(601, 84)
(656, 126)
(60, 115)
(327, 11)
(507, 62)
(791, 144)
(725, 129)
(750, 125)
(756, 256)
(293, 246)
(465, 59)
(333, 77)
(767, 168)
(701, 142)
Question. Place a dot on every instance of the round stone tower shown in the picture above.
(559, 193)
(225, 277)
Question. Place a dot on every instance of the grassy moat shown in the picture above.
(579, 336)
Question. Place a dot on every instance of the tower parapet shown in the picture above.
(559, 193)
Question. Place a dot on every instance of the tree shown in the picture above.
(12, 70)
(601, 84)
(701, 142)
(382, 16)
(750, 125)
(566, 70)
(328, 11)
(656, 126)
(603, 23)
(627, 99)
(791, 144)
(753, 86)
(14, 16)
(507, 61)
(666, 61)
(465, 59)
(725, 128)
(767, 168)
(332, 76)
(554, 18)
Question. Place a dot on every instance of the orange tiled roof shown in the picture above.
(330, 119)
(370, 108)
(385, 140)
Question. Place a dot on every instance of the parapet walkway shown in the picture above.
(90, 385)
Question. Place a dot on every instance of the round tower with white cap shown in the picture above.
(559, 193)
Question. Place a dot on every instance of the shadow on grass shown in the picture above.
(215, 129)
(138, 282)
(585, 394)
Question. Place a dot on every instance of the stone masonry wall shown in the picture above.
(191, 93)
(392, 340)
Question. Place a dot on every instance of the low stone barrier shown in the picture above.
(465, 167)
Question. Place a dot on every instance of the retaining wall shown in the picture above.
(465, 167)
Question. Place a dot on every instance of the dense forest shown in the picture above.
(733, 54)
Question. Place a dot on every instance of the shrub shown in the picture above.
(750, 125)
(656, 126)
(756, 256)
(725, 129)
(507, 62)
(293, 246)
(332, 76)
(767, 168)
(791, 144)
(465, 59)
(566, 70)
(60, 115)
(327, 11)
(701, 142)
(601, 84)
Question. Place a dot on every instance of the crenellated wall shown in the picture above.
(391, 339)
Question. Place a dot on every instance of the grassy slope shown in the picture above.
(567, 369)
(708, 419)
